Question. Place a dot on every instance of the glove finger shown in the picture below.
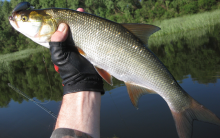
(58, 54)
(81, 63)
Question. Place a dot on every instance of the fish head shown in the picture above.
(35, 24)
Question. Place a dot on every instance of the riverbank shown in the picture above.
(19, 54)
(5, 59)
(184, 27)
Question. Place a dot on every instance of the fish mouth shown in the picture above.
(20, 7)
(11, 18)
(13, 22)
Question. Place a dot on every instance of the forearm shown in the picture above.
(81, 111)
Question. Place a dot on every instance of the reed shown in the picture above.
(185, 23)
(188, 36)
(184, 27)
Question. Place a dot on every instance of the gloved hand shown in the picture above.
(77, 73)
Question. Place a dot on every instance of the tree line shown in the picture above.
(121, 11)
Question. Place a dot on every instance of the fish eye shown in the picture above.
(24, 18)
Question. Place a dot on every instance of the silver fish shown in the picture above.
(118, 50)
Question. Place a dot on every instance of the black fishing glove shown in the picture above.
(77, 73)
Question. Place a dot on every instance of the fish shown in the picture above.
(118, 50)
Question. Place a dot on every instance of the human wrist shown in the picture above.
(80, 97)
(81, 111)
(83, 82)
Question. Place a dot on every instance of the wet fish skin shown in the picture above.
(112, 47)
(120, 50)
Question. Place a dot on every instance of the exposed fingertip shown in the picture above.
(80, 10)
(62, 27)
(61, 34)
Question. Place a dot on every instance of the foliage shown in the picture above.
(30, 76)
(195, 56)
(122, 11)
(184, 27)
(178, 48)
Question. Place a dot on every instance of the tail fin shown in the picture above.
(184, 119)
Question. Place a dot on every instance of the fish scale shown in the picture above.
(118, 50)
(115, 53)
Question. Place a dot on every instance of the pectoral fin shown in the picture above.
(81, 51)
(105, 75)
(142, 31)
(135, 92)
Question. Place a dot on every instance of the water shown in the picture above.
(194, 62)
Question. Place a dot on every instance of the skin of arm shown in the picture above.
(79, 110)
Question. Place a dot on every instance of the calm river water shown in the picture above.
(194, 62)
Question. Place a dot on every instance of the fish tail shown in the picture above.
(184, 119)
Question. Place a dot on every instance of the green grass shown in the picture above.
(19, 55)
(5, 59)
(186, 35)
(189, 22)
(184, 27)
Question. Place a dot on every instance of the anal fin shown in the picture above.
(135, 92)
(184, 119)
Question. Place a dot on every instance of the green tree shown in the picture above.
(61, 3)
(206, 4)
(47, 3)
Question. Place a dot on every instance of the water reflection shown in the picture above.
(193, 61)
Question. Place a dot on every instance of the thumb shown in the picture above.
(61, 34)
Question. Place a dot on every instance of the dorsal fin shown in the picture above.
(142, 31)
(135, 92)
(105, 75)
